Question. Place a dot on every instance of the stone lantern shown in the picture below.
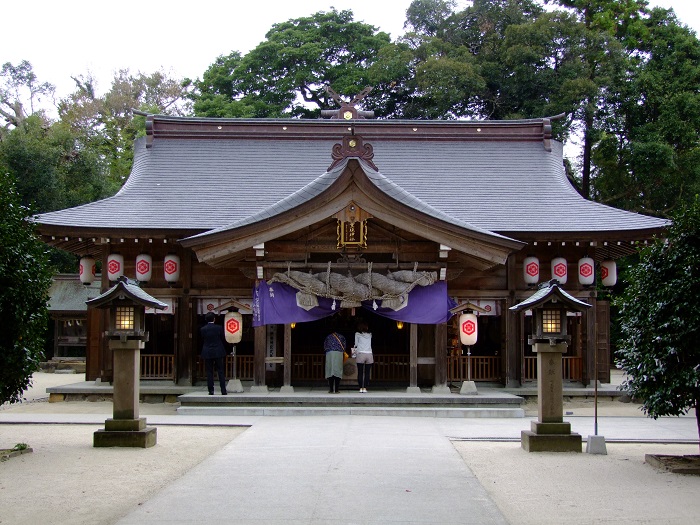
(127, 335)
(549, 306)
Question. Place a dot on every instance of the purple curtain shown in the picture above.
(276, 304)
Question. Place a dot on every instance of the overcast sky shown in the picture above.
(63, 38)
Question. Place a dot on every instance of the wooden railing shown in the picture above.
(571, 367)
(244, 367)
(157, 366)
(391, 367)
(387, 367)
(483, 368)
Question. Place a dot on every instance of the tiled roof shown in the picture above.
(200, 184)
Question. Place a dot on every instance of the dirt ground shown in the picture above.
(66, 481)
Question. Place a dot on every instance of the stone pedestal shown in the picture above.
(125, 429)
(550, 433)
(468, 388)
(125, 433)
(596, 445)
(234, 385)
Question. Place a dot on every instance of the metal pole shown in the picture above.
(595, 395)
(469, 363)
(234, 363)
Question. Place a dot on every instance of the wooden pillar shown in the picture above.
(413, 359)
(512, 350)
(185, 350)
(591, 338)
(441, 359)
(259, 357)
(287, 363)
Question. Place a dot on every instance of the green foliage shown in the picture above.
(660, 321)
(647, 159)
(53, 169)
(286, 75)
(25, 278)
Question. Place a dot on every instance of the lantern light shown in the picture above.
(144, 267)
(87, 270)
(608, 273)
(586, 271)
(124, 318)
(560, 270)
(531, 270)
(171, 268)
(468, 329)
(399, 325)
(233, 327)
(115, 266)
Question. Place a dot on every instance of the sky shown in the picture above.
(64, 38)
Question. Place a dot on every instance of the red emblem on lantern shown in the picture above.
(170, 267)
(604, 272)
(143, 266)
(586, 270)
(560, 270)
(468, 327)
(232, 326)
(113, 266)
(533, 269)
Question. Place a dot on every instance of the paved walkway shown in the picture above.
(344, 469)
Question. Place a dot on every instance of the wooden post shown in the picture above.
(441, 359)
(287, 364)
(259, 360)
(413, 359)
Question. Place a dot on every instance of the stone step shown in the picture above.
(375, 410)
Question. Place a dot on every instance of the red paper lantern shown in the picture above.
(560, 270)
(233, 327)
(144, 267)
(531, 270)
(468, 329)
(88, 270)
(171, 268)
(586, 271)
(608, 273)
(115, 266)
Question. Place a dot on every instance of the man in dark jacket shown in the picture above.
(214, 351)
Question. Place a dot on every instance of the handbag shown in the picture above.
(353, 352)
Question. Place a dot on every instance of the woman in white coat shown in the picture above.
(364, 358)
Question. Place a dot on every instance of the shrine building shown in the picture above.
(304, 226)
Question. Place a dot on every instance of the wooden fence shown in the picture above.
(483, 368)
(387, 367)
(572, 368)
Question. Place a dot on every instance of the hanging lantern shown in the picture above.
(87, 270)
(468, 329)
(608, 273)
(233, 327)
(531, 270)
(586, 271)
(171, 268)
(115, 266)
(560, 270)
(144, 267)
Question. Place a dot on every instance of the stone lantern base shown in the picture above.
(550, 437)
(125, 433)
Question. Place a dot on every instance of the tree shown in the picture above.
(107, 122)
(287, 74)
(660, 321)
(648, 159)
(53, 167)
(20, 87)
(25, 277)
